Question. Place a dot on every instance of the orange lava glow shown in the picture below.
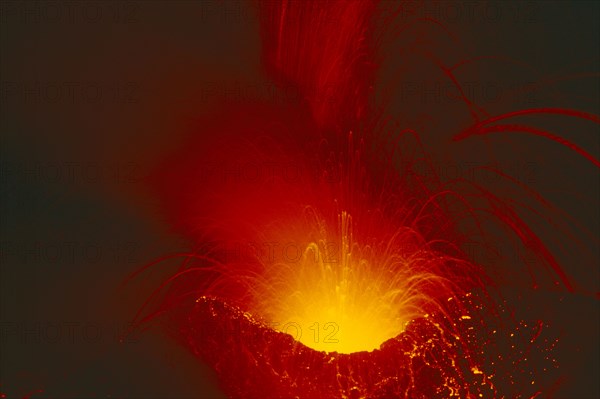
(340, 295)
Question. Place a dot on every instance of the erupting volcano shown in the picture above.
(331, 260)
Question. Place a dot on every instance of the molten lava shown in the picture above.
(341, 296)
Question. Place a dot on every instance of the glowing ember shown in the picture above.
(425, 361)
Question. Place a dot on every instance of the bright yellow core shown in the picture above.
(339, 296)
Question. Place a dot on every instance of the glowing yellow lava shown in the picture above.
(343, 297)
